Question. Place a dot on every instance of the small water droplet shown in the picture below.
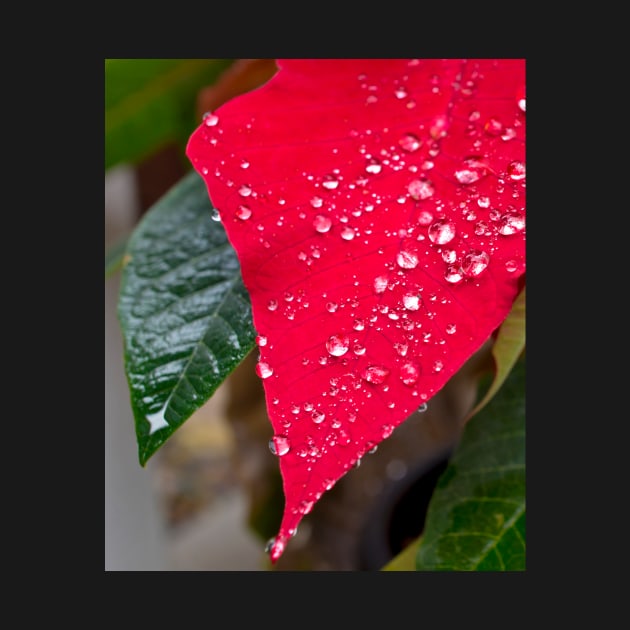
(261, 340)
(437, 366)
(493, 127)
(272, 305)
(373, 166)
(473, 169)
(330, 182)
(511, 266)
(451, 329)
(474, 262)
(421, 189)
(511, 223)
(453, 274)
(243, 213)
(331, 307)
(322, 223)
(348, 233)
(439, 127)
(422, 408)
(210, 119)
(244, 191)
(441, 232)
(244, 164)
(406, 259)
(410, 142)
(411, 301)
(279, 445)
(516, 171)
(410, 373)
(359, 324)
(338, 345)
(216, 215)
(380, 284)
(264, 370)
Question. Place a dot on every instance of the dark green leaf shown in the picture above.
(151, 102)
(184, 312)
(476, 518)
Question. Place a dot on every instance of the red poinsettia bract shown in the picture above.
(377, 207)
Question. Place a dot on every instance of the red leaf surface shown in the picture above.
(377, 208)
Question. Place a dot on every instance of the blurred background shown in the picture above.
(211, 497)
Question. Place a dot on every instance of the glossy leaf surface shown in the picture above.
(183, 310)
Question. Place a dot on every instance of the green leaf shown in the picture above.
(507, 348)
(184, 312)
(151, 102)
(405, 560)
(476, 517)
(114, 256)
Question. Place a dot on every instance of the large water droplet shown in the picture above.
(348, 233)
(441, 232)
(472, 170)
(474, 262)
(380, 284)
(264, 370)
(338, 345)
(375, 374)
(453, 274)
(317, 416)
(279, 445)
(330, 182)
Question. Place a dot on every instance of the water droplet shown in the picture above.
(473, 169)
(453, 274)
(331, 307)
(388, 429)
(359, 324)
(439, 127)
(400, 92)
(451, 329)
(317, 202)
(272, 305)
(157, 420)
(422, 408)
(375, 374)
(380, 284)
(401, 349)
(441, 232)
(437, 366)
(358, 349)
(243, 213)
(338, 345)
(373, 166)
(421, 189)
(511, 223)
(411, 301)
(269, 545)
(493, 127)
(449, 256)
(410, 373)
(330, 182)
(348, 233)
(322, 223)
(216, 215)
(210, 119)
(516, 171)
(474, 262)
(318, 416)
(279, 445)
(511, 266)
(406, 259)
(520, 98)
(261, 340)
(410, 142)
(263, 370)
